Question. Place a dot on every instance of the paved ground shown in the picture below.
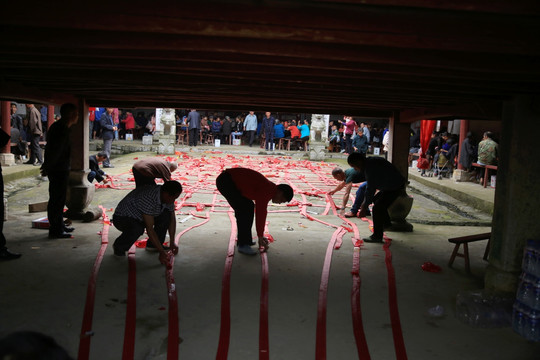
(45, 290)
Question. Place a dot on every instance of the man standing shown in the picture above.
(95, 172)
(383, 176)
(348, 178)
(57, 166)
(487, 150)
(5, 253)
(241, 187)
(194, 126)
(150, 208)
(17, 121)
(145, 171)
(250, 126)
(35, 131)
(365, 130)
(268, 128)
(108, 128)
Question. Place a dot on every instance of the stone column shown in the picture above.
(80, 191)
(6, 157)
(398, 154)
(517, 199)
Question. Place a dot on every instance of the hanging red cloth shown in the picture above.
(426, 128)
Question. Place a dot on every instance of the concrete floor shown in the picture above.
(45, 290)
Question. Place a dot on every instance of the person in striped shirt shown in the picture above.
(148, 207)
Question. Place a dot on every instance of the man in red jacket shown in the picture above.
(241, 187)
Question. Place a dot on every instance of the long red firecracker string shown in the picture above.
(358, 327)
(397, 333)
(320, 345)
(128, 351)
(264, 347)
(225, 328)
(174, 333)
(86, 328)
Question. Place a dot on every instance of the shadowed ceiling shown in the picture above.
(370, 58)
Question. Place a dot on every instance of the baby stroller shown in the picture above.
(443, 162)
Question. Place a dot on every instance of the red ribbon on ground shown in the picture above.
(86, 328)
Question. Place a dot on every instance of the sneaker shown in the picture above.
(373, 239)
(246, 250)
(342, 151)
(6, 254)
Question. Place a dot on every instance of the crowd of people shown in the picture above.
(349, 136)
(443, 155)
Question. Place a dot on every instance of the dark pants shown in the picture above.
(359, 199)
(381, 203)
(141, 180)
(269, 139)
(243, 207)
(92, 175)
(2, 237)
(35, 150)
(58, 185)
(348, 144)
(250, 136)
(193, 136)
(132, 229)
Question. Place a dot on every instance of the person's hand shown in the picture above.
(164, 257)
(105, 180)
(331, 192)
(263, 244)
(174, 248)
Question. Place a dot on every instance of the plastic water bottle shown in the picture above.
(531, 326)
(518, 318)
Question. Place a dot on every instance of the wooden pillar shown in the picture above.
(463, 130)
(6, 157)
(80, 191)
(517, 199)
(50, 116)
(6, 124)
(398, 154)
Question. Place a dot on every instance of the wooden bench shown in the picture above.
(486, 171)
(465, 240)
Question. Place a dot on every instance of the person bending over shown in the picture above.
(380, 175)
(348, 178)
(95, 172)
(145, 171)
(149, 208)
(241, 187)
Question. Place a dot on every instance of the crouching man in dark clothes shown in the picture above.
(380, 175)
(95, 172)
(152, 208)
(241, 187)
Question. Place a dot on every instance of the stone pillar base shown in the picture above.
(317, 152)
(501, 281)
(166, 145)
(7, 159)
(401, 226)
(80, 194)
